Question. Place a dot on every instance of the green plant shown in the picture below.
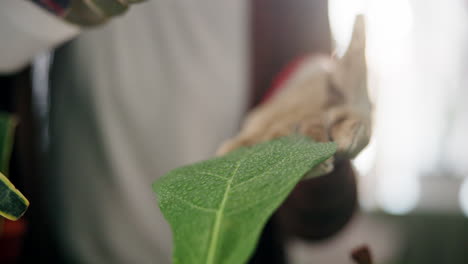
(12, 203)
(217, 208)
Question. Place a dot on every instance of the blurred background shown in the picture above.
(412, 176)
(413, 182)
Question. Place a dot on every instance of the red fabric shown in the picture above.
(11, 236)
(283, 76)
(56, 8)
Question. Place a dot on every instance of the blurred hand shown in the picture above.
(93, 12)
(325, 99)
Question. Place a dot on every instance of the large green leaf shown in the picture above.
(12, 203)
(217, 208)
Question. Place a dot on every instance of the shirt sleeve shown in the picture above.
(27, 29)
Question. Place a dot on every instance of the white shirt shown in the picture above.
(146, 93)
(161, 87)
(25, 30)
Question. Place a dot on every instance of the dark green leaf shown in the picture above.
(12, 203)
(7, 128)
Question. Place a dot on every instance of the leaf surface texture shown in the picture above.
(217, 208)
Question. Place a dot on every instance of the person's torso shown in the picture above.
(161, 87)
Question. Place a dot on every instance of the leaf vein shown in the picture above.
(279, 193)
(265, 172)
(219, 214)
(261, 175)
(213, 174)
(211, 210)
